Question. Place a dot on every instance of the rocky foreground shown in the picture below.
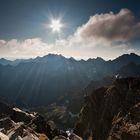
(112, 113)
(16, 124)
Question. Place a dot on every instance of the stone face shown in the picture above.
(6, 123)
(21, 133)
(3, 136)
(127, 127)
(21, 116)
(17, 131)
(22, 125)
(16, 124)
(112, 113)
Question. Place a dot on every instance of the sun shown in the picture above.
(56, 25)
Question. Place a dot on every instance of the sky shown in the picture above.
(91, 28)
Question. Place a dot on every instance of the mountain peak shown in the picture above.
(100, 59)
(133, 54)
(3, 59)
(97, 60)
(129, 55)
(51, 55)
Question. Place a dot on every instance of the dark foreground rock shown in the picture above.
(112, 113)
(16, 124)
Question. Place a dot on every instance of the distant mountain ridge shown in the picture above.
(41, 81)
(125, 58)
(4, 61)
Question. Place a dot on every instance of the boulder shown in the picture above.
(21, 116)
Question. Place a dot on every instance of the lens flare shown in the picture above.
(56, 25)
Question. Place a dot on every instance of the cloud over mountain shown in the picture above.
(25, 48)
(107, 34)
(113, 27)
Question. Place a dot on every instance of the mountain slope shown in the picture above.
(5, 61)
(112, 113)
(41, 81)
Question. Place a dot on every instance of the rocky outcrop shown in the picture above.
(12, 131)
(16, 124)
(3, 136)
(112, 113)
(127, 127)
(20, 125)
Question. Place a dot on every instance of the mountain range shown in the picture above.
(44, 80)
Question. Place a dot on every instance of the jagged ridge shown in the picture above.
(112, 113)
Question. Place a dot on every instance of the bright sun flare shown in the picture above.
(56, 25)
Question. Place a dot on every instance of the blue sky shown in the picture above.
(22, 23)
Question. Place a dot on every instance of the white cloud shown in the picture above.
(113, 27)
(26, 48)
(106, 35)
(2, 42)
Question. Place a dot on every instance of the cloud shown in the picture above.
(2, 42)
(106, 35)
(26, 48)
(122, 26)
